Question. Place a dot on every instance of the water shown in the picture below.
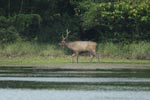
(37, 83)
(19, 94)
(76, 80)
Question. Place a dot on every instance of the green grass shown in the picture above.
(43, 53)
(46, 61)
(139, 50)
(30, 49)
(30, 61)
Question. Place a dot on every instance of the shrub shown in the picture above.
(8, 35)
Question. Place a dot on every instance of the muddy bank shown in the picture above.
(86, 66)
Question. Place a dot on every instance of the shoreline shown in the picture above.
(65, 63)
(85, 66)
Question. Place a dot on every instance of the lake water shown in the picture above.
(26, 94)
(37, 83)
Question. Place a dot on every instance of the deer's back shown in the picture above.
(82, 46)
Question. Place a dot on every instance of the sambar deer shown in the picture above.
(80, 46)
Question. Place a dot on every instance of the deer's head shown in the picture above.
(63, 42)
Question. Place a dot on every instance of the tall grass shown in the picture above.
(139, 50)
(110, 50)
(30, 49)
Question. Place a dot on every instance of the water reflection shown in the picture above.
(6, 71)
(37, 83)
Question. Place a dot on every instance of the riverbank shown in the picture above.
(64, 63)
(39, 54)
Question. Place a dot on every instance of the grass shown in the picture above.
(46, 61)
(139, 50)
(30, 49)
(30, 61)
(31, 53)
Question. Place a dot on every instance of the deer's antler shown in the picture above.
(63, 38)
(67, 33)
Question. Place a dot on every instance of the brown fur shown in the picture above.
(81, 46)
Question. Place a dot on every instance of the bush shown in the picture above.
(113, 19)
(25, 26)
(3, 22)
(8, 35)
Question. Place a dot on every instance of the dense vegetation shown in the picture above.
(99, 20)
(104, 21)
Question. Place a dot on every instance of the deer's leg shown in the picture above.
(73, 55)
(77, 54)
(98, 57)
(94, 54)
(91, 57)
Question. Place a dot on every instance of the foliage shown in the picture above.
(125, 20)
(25, 26)
(57, 26)
(99, 20)
(9, 34)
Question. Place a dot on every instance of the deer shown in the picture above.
(80, 46)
